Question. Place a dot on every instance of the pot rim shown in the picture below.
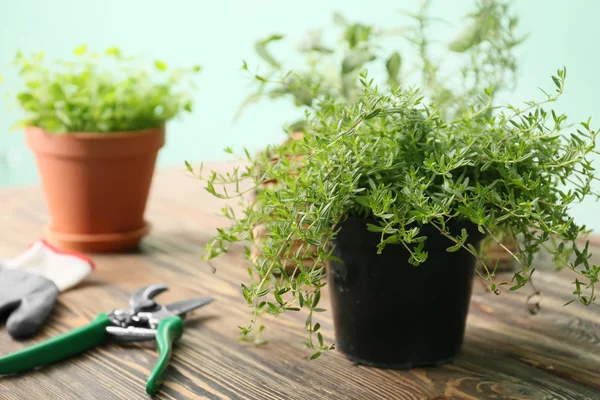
(95, 135)
(87, 145)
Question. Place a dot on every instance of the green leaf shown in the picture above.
(357, 33)
(363, 201)
(557, 82)
(25, 97)
(315, 355)
(317, 298)
(272, 309)
(339, 19)
(56, 91)
(278, 297)
(189, 167)
(356, 59)
(374, 228)
(313, 242)
(261, 49)
(320, 338)
(302, 98)
(468, 38)
(454, 248)
(196, 68)
(373, 114)
(34, 84)
(80, 50)
(113, 51)
(393, 65)
(161, 66)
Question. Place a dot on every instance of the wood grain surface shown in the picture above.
(508, 353)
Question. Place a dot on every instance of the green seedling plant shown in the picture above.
(330, 70)
(484, 50)
(101, 92)
(395, 158)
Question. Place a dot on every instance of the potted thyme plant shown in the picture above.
(96, 124)
(396, 200)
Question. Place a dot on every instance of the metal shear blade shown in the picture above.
(136, 334)
(182, 307)
(141, 299)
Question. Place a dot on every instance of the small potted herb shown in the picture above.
(395, 201)
(96, 124)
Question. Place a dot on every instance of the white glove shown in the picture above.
(65, 269)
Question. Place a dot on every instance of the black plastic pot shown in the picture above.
(391, 314)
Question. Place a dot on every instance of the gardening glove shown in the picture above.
(31, 282)
(28, 300)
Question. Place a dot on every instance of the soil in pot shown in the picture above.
(96, 186)
(391, 314)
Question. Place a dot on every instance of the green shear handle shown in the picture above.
(57, 349)
(79, 340)
(169, 330)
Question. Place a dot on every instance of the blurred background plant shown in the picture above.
(100, 92)
(484, 48)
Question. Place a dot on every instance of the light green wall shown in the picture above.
(220, 34)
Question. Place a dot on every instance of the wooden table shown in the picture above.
(508, 353)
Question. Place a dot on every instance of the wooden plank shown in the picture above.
(508, 353)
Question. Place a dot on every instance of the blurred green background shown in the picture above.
(219, 35)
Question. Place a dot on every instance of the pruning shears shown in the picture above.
(145, 320)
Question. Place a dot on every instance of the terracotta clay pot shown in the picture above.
(96, 186)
